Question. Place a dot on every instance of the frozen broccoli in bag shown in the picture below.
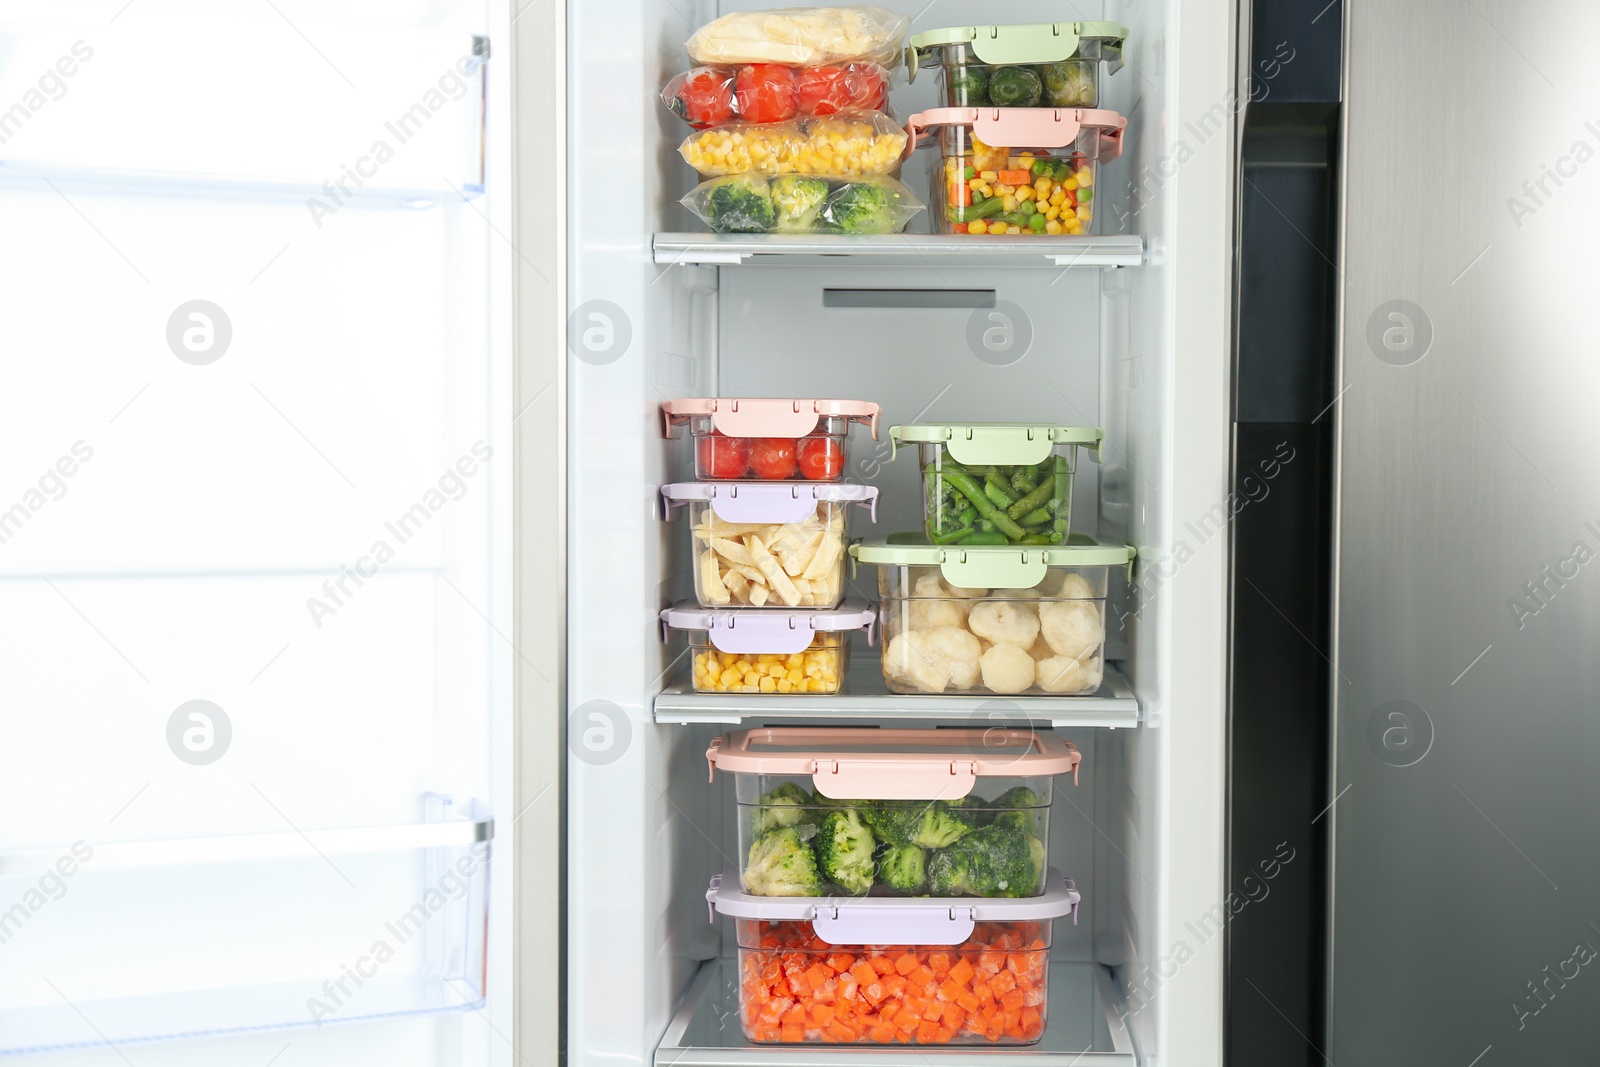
(872, 205)
(739, 203)
(1068, 84)
(797, 202)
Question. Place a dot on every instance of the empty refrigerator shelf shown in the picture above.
(864, 696)
(1082, 1031)
(905, 249)
(218, 1012)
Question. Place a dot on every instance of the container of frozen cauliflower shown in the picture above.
(744, 650)
(768, 544)
(1013, 620)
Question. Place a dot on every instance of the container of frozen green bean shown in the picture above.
(988, 483)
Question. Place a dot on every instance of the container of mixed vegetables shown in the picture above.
(1023, 171)
(1041, 64)
(997, 483)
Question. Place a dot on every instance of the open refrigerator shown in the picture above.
(1126, 330)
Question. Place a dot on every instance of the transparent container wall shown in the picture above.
(990, 843)
(997, 504)
(768, 565)
(1044, 641)
(818, 669)
(992, 989)
(967, 81)
(980, 188)
(817, 457)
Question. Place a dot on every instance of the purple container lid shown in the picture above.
(763, 630)
(769, 502)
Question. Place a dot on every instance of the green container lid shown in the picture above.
(1031, 42)
(993, 566)
(998, 443)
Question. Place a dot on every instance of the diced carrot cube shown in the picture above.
(841, 961)
(1004, 982)
(921, 976)
(863, 973)
(906, 963)
(968, 1000)
(939, 961)
(795, 1016)
(882, 964)
(882, 1033)
(840, 1032)
(927, 1031)
(873, 992)
(1012, 1001)
(818, 974)
(821, 1015)
(1032, 1022)
(961, 972)
(933, 1009)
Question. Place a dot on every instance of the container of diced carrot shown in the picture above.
(887, 971)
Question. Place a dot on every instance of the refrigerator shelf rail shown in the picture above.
(902, 249)
(864, 697)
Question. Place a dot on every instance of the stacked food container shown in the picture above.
(1021, 135)
(935, 840)
(767, 517)
(789, 110)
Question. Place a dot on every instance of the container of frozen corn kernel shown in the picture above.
(1019, 171)
(997, 483)
(931, 971)
(768, 544)
(741, 650)
(1017, 620)
(769, 439)
(861, 811)
(1038, 64)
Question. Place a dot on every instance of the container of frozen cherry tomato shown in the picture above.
(738, 650)
(894, 971)
(772, 92)
(1040, 64)
(769, 439)
(1018, 171)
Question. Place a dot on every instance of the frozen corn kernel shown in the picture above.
(816, 670)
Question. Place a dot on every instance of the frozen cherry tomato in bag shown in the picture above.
(724, 457)
(764, 92)
(773, 457)
(706, 97)
(829, 90)
(821, 459)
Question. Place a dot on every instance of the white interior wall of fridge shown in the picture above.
(645, 829)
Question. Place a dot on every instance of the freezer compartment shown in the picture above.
(930, 971)
(765, 439)
(885, 812)
(772, 545)
(1018, 171)
(1041, 64)
(768, 652)
(1011, 621)
(997, 483)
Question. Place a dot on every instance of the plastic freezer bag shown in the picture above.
(802, 36)
(770, 92)
(793, 203)
(851, 144)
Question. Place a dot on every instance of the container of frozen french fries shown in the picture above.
(768, 545)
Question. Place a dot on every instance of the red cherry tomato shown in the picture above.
(706, 97)
(764, 92)
(724, 457)
(821, 459)
(829, 90)
(773, 457)
(868, 87)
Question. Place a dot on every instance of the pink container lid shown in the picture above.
(1026, 127)
(894, 920)
(768, 417)
(771, 502)
(843, 766)
(762, 630)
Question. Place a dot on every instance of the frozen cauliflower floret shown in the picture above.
(1075, 587)
(932, 660)
(1004, 622)
(967, 594)
(1007, 669)
(960, 650)
(931, 614)
(1072, 627)
(1063, 674)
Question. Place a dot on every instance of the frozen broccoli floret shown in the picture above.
(994, 861)
(949, 873)
(926, 824)
(784, 806)
(781, 864)
(844, 850)
(1015, 807)
(796, 202)
(1068, 84)
(740, 203)
(862, 207)
(903, 868)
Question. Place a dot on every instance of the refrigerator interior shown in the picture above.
(646, 830)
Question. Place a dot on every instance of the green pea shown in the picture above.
(1027, 207)
(968, 173)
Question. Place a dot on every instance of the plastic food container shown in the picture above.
(1000, 164)
(771, 92)
(851, 144)
(797, 203)
(861, 811)
(775, 544)
(950, 971)
(1013, 621)
(748, 651)
(769, 439)
(997, 483)
(1039, 64)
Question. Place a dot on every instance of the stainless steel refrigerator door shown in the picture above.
(1466, 871)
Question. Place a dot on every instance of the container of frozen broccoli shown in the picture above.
(881, 971)
(1039, 64)
(993, 483)
(743, 650)
(1019, 171)
(1018, 620)
(860, 811)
